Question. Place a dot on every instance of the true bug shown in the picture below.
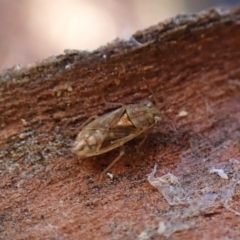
(112, 130)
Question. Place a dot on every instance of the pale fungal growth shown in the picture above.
(161, 228)
(110, 175)
(234, 161)
(169, 186)
(182, 113)
(62, 89)
(24, 122)
(70, 89)
(22, 135)
(68, 66)
(220, 172)
(143, 235)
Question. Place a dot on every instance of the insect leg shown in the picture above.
(142, 142)
(112, 103)
(172, 127)
(121, 153)
(88, 121)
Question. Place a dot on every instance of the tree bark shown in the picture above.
(192, 64)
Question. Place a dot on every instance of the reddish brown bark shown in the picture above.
(192, 64)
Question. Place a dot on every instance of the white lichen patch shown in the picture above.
(110, 175)
(182, 113)
(220, 172)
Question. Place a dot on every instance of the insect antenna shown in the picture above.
(150, 90)
(157, 103)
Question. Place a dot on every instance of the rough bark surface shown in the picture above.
(192, 63)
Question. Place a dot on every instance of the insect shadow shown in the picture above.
(101, 134)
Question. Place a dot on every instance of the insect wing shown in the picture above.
(118, 134)
(91, 137)
(104, 122)
(119, 129)
(125, 136)
(109, 127)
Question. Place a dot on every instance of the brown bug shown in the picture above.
(114, 129)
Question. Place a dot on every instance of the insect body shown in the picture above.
(114, 129)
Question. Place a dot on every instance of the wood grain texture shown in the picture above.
(192, 63)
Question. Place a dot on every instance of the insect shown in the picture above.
(112, 130)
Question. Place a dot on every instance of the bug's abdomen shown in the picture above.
(88, 143)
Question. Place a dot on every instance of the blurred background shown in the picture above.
(36, 29)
